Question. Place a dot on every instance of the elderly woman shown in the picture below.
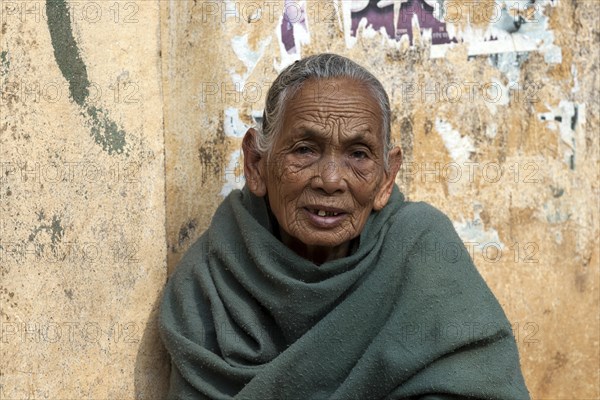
(319, 281)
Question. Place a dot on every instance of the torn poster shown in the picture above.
(509, 25)
(292, 32)
(380, 14)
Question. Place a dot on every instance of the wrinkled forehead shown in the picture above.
(331, 102)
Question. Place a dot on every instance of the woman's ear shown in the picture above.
(253, 164)
(385, 191)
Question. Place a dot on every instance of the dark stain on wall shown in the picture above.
(4, 63)
(559, 361)
(406, 144)
(212, 157)
(54, 229)
(186, 230)
(105, 132)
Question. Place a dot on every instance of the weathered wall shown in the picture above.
(506, 144)
(82, 251)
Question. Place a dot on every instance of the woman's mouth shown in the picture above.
(323, 213)
(325, 218)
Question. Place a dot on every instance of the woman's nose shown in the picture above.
(330, 176)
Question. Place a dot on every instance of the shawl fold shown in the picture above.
(406, 316)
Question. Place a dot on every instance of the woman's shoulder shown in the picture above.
(192, 259)
(422, 214)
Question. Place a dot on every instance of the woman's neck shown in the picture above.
(316, 254)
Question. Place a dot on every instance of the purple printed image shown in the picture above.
(376, 17)
(293, 14)
(426, 18)
(381, 14)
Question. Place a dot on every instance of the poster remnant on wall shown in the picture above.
(493, 27)
(294, 19)
(292, 31)
(380, 15)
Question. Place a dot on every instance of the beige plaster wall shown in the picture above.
(83, 255)
(88, 234)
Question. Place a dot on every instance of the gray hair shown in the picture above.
(320, 66)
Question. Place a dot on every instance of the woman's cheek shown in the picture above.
(363, 171)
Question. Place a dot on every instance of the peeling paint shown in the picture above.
(460, 147)
(575, 74)
(232, 124)
(499, 95)
(241, 48)
(558, 237)
(234, 178)
(564, 117)
(554, 213)
(520, 26)
(491, 130)
(473, 231)
(510, 65)
(513, 14)
(539, 33)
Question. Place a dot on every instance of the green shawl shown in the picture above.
(405, 316)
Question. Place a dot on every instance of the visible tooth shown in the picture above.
(334, 214)
(321, 213)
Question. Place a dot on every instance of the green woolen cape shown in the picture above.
(406, 316)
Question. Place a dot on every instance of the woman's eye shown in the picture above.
(359, 154)
(303, 150)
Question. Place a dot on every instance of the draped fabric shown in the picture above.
(405, 316)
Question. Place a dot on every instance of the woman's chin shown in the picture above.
(315, 244)
(323, 240)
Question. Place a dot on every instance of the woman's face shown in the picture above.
(325, 173)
